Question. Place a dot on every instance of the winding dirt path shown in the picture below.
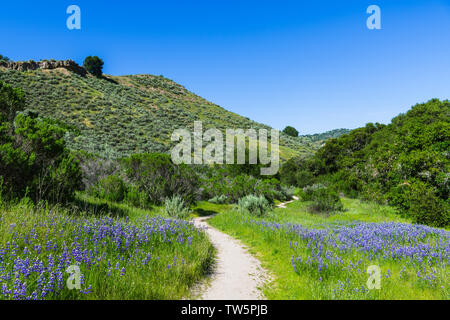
(283, 204)
(237, 274)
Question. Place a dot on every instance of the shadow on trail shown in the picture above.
(205, 213)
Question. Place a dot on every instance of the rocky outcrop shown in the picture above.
(44, 65)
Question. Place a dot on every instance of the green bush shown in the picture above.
(426, 207)
(304, 178)
(111, 188)
(219, 199)
(325, 200)
(175, 207)
(33, 157)
(216, 183)
(12, 100)
(255, 205)
(308, 191)
(157, 176)
(137, 198)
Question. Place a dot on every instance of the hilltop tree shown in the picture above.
(291, 131)
(4, 59)
(94, 65)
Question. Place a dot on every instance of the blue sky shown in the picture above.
(310, 64)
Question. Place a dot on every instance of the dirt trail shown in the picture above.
(237, 274)
(283, 204)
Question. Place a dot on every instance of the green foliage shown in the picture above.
(175, 207)
(33, 158)
(325, 200)
(216, 184)
(159, 177)
(255, 205)
(94, 65)
(111, 188)
(321, 137)
(297, 172)
(137, 198)
(379, 162)
(426, 207)
(308, 191)
(291, 131)
(219, 199)
(11, 101)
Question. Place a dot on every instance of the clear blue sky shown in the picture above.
(310, 64)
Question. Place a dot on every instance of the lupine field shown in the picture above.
(150, 258)
(329, 259)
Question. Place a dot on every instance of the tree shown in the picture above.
(33, 157)
(12, 100)
(4, 59)
(291, 131)
(94, 65)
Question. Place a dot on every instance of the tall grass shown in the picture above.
(318, 257)
(149, 258)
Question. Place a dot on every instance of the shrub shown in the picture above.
(219, 199)
(175, 207)
(269, 189)
(159, 177)
(137, 198)
(111, 188)
(255, 205)
(426, 207)
(304, 178)
(64, 178)
(236, 187)
(325, 200)
(308, 191)
(34, 160)
(12, 100)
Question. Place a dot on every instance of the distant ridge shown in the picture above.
(326, 135)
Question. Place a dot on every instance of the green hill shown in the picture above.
(115, 116)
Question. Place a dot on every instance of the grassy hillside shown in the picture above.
(115, 116)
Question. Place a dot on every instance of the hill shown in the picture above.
(115, 116)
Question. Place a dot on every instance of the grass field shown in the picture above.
(315, 256)
(133, 254)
